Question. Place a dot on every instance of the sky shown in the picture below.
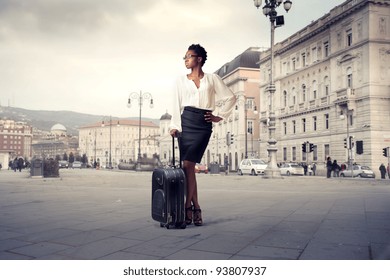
(88, 56)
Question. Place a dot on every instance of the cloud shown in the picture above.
(88, 55)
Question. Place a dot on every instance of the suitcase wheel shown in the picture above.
(180, 225)
(162, 225)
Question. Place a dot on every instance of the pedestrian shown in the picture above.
(304, 168)
(199, 100)
(382, 169)
(388, 171)
(314, 167)
(328, 167)
(336, 169)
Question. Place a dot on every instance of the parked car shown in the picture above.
(201, 168)
(252, 167)
(358, 171)
(76, 164)
(291, 169)
(63, 164)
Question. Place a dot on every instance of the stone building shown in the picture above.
(15, 141)
(332, 82)
(118, 140)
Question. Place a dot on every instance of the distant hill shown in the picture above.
(44, 120)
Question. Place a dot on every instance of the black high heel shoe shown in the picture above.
(198, 217)
(189, 211)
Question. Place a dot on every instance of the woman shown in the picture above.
(200, 99)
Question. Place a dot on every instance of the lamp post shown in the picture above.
(140, 98)
(269, 9)
(109, 153)
(349, 140)
(246, 107)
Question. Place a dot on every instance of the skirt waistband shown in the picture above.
(196, 110)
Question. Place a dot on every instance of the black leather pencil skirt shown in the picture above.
(195, 134)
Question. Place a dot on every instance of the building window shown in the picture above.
(284, 153)
(349, 37)
(285, 99)
(314, 54)
(303, 93)
(314, 123)
(315, 153)
(303, 59)
(326, 121)
(327, 151)
(294, 126)
(250, 127)
(294, 66)
(303, 125)
(349, 77)
(294, 153)
(285, 128)
(326, 49)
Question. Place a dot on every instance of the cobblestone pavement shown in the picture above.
(101, 214)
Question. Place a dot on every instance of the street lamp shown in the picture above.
(269, 9)
(246, 107)
(140, 98)
(109, 155)
(348, 139)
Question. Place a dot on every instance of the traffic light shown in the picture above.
(304, 147)
(231, 138)
(311, 147)
(386, 152)
(228, 138)
(345, 143)
(359, 147)
(351, 143)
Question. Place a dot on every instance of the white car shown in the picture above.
(76, 164)
(291, 169)
(358, 171)
(252, 167)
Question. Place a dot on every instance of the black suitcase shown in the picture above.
(168, 194)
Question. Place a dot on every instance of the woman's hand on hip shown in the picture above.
(209, 117)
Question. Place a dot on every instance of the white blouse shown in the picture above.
(212, 94)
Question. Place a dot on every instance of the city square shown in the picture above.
(89, 214)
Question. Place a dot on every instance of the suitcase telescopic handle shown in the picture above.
(173, 149)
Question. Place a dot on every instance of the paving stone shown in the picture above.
(334, 251)
(39, 249)
(268, 253)
(98, 249)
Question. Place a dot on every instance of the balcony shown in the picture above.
(345, 96)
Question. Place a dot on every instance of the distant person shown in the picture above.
(304, 165)
(328, 167)
(314, 168)
(388, 171)
(382, 169)
(336, 169)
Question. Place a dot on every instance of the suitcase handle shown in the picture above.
(178, 135)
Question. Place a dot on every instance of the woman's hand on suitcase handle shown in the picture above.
(174, 132)
(209, 117)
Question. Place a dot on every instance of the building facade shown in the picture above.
(54, 144)
(118, 139)
(332, 82)
(15, 141)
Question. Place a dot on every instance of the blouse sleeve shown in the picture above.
(176, 114)
(224, 98)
